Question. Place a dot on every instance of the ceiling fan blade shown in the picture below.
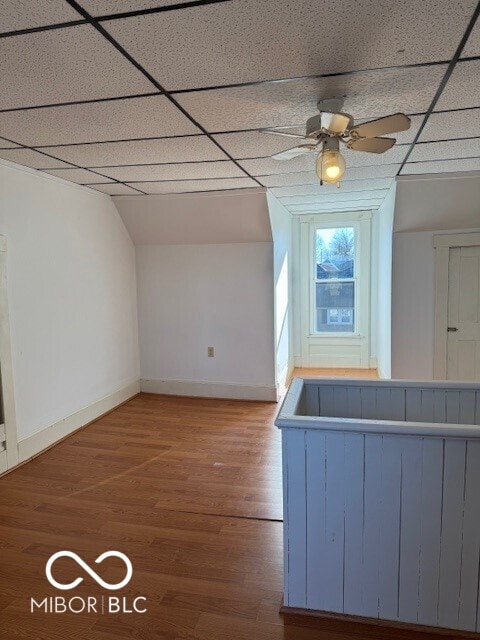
(382, 126)
(282, 133)
(371, 145)
(289, 154)
(334, 122)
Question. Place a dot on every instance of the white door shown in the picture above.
(463, 333)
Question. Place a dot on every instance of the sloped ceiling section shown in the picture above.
(197, 218)
(437, 202)
(135, 97)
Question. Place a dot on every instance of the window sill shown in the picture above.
(336, 335)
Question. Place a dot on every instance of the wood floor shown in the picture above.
(190, 490)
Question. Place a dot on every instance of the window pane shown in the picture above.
(334, 307)
(335, 253)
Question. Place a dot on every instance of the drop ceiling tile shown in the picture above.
(113, 120)
(81, 176)
(285, 179)
(114, 189)
(31, 158)
(339, 194)
(189, 171)
(25, 14)
(269, 166)
(317, 190)
(442, 150)
(252, 144)
(447, 166)
(472, 48)
(107, 7)
(463, 88)
(372, 171)
(63, 65)
(310, 177)
(191, 148)
(195, 185)
(337, 205)
(6, 144)
(369, 94)
(246, 41)
(394, 155)
(452, 124)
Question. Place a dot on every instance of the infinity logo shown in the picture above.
(91, 572)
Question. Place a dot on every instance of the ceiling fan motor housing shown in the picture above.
(327, 124)
(331, 144)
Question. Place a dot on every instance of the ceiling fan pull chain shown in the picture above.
(321, 170)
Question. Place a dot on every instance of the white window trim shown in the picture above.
(354, 347)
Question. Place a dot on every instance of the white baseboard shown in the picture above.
(227, 390)
(372, 362)
(33, 444)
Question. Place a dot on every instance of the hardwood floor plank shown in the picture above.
(190, 490)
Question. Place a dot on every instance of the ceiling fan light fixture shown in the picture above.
(330, 165)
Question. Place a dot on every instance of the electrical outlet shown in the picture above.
(210, 352)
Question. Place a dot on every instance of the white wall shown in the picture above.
(205, 273)
(424, 207)
(413, 305)
(383, 285)
(191, 297)
(281, 223)
(72, 296)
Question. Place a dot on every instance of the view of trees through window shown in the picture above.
(334, 280)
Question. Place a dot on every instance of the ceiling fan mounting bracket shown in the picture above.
(331, 121)
(331, 105)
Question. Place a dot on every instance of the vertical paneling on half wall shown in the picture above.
(390, 526)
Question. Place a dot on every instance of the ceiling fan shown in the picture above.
(325, 132)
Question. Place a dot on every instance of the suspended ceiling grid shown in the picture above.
(136, 97)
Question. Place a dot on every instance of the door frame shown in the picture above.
(442, 245)
(6, 365)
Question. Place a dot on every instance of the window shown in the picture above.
(332, 286)
(334, 289)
